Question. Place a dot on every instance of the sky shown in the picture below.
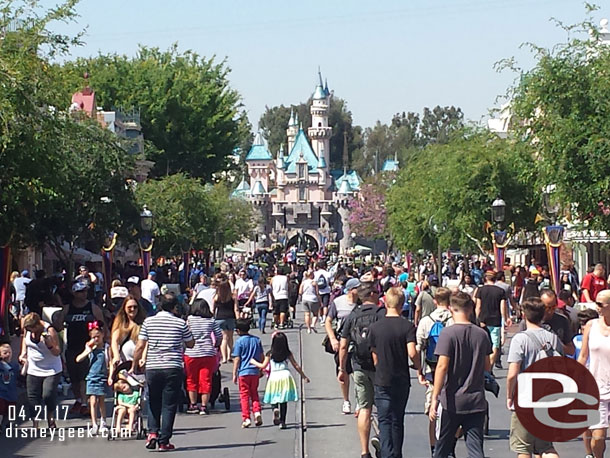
(381, 56)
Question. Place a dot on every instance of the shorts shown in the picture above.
(348, 364)
(313, 307)
(199, 373)
(428, 401)
(280, 306)
(77, 371)
(523, 442)
(226, 325)
(4, 405)
(325, 299)
(364, 382)
(496, 336)
(96, 387)
(604, 410)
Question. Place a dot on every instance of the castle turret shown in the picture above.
(320, 132)
(293, 128)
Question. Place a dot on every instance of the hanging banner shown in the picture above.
(5, 266)
(553, 238)
(146, 246)
(186, 260)
(107, 253)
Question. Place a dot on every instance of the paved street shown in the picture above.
(328, 434)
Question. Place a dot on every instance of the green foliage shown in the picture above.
(453, 185)
(561, 113)
(188, 110)
(188, 214)
(54, 171)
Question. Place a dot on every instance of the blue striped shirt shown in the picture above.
(203, 329)
(165, 334)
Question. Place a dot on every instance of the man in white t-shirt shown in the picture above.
(279, 286)
(150, 288)
(322, 278)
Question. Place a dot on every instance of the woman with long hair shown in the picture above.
(226, 311)
(125, 331)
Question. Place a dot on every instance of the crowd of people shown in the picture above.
(380, 319)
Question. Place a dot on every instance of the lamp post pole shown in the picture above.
(553, 238)
(499, 237)
(146, 241)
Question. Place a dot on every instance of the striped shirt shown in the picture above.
(165, 334)
(205, 331)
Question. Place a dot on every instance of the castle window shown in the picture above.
(319, 124)
(302, 194)
(301, 171)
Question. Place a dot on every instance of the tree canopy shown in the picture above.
(188, 110)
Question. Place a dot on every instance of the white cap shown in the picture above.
(135, 280)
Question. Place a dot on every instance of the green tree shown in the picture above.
(188, 109)
(453, 185)
(561, 113)
(273, 124)
(188, 214)
(438, 124)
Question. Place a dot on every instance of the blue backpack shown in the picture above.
(431, 341)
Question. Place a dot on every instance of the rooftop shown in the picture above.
(300, 148)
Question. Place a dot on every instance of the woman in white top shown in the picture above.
(125, 331)
(279, 285)
(596, 347)
(310, 297)
(40, 354)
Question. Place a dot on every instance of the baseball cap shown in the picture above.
(152, 273)
(79, 286)
(25, 273)
(351, 284)
(118, 291)
(134, 280)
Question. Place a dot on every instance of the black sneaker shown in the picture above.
(498, 364)
(376, 443)
(192, 408)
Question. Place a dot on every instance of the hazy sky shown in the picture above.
(382, 56)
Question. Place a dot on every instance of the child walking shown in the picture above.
(247, 348)
(281, 387)
(97, 352)
(8, 382)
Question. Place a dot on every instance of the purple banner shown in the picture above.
(5, 266)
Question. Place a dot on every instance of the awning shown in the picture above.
(79, 255)
(232, 249)
(586, 236)
(362, 248)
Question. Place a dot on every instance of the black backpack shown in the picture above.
(359, 336)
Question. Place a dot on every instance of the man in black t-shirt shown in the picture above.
(491, 311)
(392, 341)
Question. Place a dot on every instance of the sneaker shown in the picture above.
(309, 331)
(75, 409)
(103, 427)
(276, 417)
(376, 445)
(346, 408)
(166, 447)
(203, 410)
(246, 423)
(192, 408)
(366, 455)
(95, 429)
(498, 364)
(258, 419)
(151, 441)
(282, 425)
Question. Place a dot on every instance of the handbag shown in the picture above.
(328, 347)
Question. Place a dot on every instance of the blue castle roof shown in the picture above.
(259, 151)
(390, 165)
(301, 147)
(352, 177)
(242, 190)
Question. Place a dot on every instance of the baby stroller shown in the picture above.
(219, 393)
(132, 386)
(246, 313)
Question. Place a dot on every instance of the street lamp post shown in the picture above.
(553, 237)
(437, 231)
(499, 236)
(146, 240)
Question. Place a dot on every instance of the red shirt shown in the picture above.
(593, 284)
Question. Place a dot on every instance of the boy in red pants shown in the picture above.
(247, 347)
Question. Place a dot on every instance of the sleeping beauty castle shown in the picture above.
(298, 199)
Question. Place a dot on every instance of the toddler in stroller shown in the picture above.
(128, 399)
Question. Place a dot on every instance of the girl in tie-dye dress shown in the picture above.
(281, 387)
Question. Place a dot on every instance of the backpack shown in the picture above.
(322, 282)
(359, 336)
(545, 349)
(432, 339)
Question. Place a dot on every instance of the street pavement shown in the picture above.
(327, 432)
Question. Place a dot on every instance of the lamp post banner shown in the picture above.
(5, 267)
(146, 252)
(107, 253)
(186, 260)
(553, 238)
(500, 241)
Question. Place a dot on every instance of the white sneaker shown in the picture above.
(258, 419)
(103, 427)
(94, 430)
(347, 408)
(246, 423)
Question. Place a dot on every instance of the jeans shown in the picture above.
(164, 386)
(42, 393)
(262, 315)
(248, 390)
(472, 424)
(391, 402)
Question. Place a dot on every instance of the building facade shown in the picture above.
(298, 199)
